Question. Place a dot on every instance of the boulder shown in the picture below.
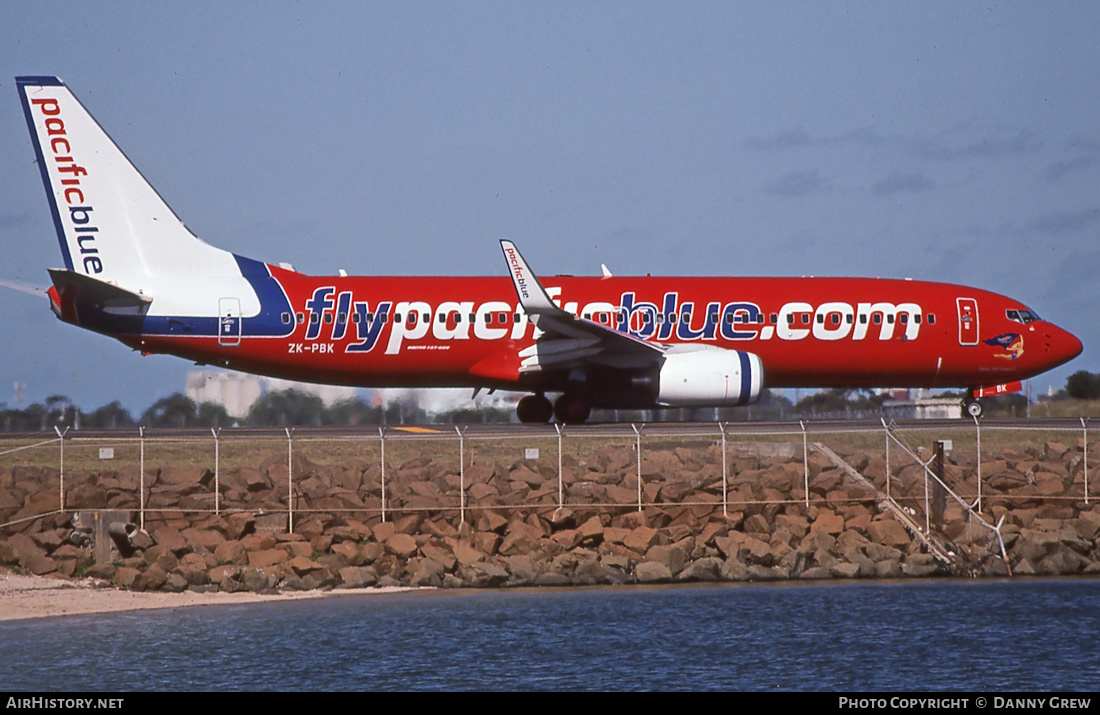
(358, 577)
(487, 542)
(427, 572)
(828, 521)
(523, 568)
(402, 546)
(231, 552)
(889, 532)
(673, 556)
(640, 539)
(172, 539)
(267, 557)
(652, 572)
(592, 531)
(734, 569)
(466, 554)
(567, 538)
(30, 555)
(186, 476)
(350, 551)
(128, 578)
(254, 579)
(920, 565)
(522, 538)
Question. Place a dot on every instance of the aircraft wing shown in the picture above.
(564, 340)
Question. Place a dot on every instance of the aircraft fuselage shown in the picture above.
(466, 331)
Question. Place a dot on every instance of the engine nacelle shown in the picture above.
(707, 376)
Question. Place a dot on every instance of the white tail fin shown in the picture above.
(112, 225)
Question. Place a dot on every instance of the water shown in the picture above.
(968, 636)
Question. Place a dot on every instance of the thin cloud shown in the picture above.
(1059, 169)
(799, 183)
(898, 183)
(959, 143)
(15, 219)
(790, 139)
(945, 147)
(1063, 222)
(798, 138)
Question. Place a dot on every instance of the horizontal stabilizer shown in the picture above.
(90, 291)
(25, 288)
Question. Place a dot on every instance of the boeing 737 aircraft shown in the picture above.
(134, 272)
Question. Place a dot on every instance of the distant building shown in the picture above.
(234, 391)
(436, 401)
(902, 393)
(925, 408)
(237, 391)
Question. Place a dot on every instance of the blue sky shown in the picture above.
(941, 141)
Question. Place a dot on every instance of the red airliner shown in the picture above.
(133, 271)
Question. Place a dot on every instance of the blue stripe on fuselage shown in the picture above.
(267, 323)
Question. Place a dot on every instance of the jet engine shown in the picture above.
(706, 376)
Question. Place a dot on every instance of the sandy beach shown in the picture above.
(42, 597)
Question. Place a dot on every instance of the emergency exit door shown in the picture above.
(229, 322)
(968, 321)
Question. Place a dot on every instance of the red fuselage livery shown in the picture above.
(134, 272)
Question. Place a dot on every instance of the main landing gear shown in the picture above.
(571, 408)
(534, 409)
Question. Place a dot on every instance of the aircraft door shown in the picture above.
(229, 322)
(968, 320)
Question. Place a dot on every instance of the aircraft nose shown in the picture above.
(1064, 345)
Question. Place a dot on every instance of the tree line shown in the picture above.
(294, 408)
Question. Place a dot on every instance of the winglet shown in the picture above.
(531, 294)
(606, 273)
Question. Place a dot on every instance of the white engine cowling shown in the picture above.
(706, 376)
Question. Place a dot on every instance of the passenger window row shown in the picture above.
(730, 318)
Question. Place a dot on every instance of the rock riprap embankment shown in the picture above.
(514, 534)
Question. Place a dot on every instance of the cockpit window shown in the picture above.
(1022, 316)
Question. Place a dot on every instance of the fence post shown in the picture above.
(978, 430)
(638, 442)
(461, 474)
(141, 477)
(382, 459)
(805, 464)
(1085, 462)
(561, 501)
(927, 505)
(289, 480)
(61, 442)
(217, 471)
(725, 500)
(939, 496)
(886, 431)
